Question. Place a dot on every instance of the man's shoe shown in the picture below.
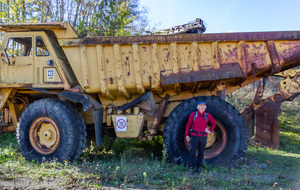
(191, 172)
(199, 169)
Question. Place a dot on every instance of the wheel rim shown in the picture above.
(216, 141)
(44, 135)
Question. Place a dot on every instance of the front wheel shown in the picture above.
(51, 129)
(225, 145)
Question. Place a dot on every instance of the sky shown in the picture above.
(226, 15)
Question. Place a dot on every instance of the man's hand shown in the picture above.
(188, 138)
(206, 130)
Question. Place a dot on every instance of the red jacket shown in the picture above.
(199, 124)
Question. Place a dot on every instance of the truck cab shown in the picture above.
(34, 60)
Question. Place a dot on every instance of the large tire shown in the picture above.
(225, 145)
(51, 129)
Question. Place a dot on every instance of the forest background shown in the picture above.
(88, 17)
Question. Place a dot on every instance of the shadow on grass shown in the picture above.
(273, 160)
(260, 169)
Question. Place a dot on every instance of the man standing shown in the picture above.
(197, 129)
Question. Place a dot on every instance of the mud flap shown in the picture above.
(98, 118)
(87, 103)
(145, 102)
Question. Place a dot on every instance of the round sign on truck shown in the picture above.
(121, 123)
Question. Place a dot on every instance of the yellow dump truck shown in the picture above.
(53, 84)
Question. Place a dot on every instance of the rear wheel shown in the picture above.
(225, 145)
(51, 129)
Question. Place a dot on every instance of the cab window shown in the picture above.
(19, 47)
(41, 49)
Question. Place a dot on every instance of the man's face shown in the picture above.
(201, 107)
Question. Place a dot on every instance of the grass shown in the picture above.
(261, 168)
(145, 166)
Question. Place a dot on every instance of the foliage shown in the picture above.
(152, 148)
(262, 168)
(8, 140)
(8, 146)
(244, 96)
(116, 16)
(290, 131)
(89, 18)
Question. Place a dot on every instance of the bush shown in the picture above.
(153, 147)
(8, 140)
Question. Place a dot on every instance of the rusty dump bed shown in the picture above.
(198, 63)
(194, 62)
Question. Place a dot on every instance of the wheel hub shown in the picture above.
(211, 139)
(216, 141)
(44, 135)
(47, 135)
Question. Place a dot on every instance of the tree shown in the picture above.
(108, 17)
(89, 18)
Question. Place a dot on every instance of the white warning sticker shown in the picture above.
(50, 74)
(121, 123)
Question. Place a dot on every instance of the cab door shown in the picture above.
(19, 68)
(45, 63)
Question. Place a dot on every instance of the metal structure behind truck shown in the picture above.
(53, 84)
(261, 115)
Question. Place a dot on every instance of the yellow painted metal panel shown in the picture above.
(286, 48)
(128, 69)
(133, 124)
(173, 57)
(73, 55)
(136, 64)
(215, 55)
(184, 57)
(26, 68)
(156, 68)
(119, 72)
(22, 71)
(101, 72)
(206, 55)
(195, 54)
(146, 65)
(137, 69)
(241, 54)
(4, 93)
(111, 77)
(13, 114)
(84, 66)
(257, 54)
(228, 53)
(129, 66)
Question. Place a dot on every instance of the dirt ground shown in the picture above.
(28, 183)
(47, 184)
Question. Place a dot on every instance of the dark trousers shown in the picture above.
(196, 143)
